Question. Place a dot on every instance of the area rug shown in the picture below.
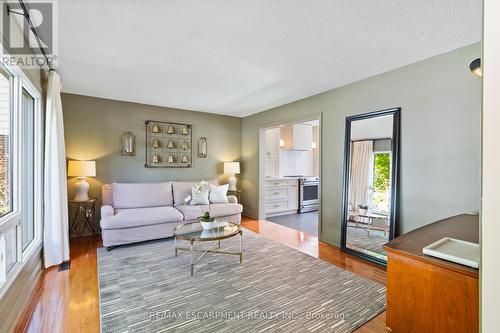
(373, 242)
(145, 288)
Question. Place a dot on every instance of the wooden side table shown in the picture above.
(85, 208)
(236, 193)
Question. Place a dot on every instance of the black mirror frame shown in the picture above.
(396, 113)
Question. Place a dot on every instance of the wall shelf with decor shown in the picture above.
(168, 145)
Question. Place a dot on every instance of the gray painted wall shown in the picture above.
(93, 127)
(440, 138)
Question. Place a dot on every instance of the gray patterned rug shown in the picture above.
(373, 242)
(145, 288)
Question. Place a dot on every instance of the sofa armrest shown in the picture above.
(107, 211)
(232, 199)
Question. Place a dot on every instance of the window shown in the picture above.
(20, 173)
(5, 143)
(28, 168)
(11, 248)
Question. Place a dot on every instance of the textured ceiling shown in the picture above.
(240, 57)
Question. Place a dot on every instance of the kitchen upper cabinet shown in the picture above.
(272, 143)
(297, 137)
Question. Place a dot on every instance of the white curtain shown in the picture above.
(361, 173)
(55, 233)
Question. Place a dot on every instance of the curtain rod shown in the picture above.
(26, 15)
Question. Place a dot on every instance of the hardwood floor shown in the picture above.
(68, 301)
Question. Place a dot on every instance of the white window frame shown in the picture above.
(38, 167)
(13, 219)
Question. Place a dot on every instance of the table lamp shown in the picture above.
(81, 169)
(232, 168)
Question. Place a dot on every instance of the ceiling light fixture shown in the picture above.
(475, 67)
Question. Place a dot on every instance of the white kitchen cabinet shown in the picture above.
(281, 197)
(272, 168)
(293, 196)
(297, 137)
(271, 153)
(272, 143)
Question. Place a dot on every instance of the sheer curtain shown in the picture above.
(361, 173)
(55, 233)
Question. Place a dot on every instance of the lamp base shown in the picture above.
(232, 182)
(81, 188)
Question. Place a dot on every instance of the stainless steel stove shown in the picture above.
(308, 193)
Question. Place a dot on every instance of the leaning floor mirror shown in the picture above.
(370, 183)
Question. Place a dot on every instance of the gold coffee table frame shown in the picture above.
(193, 232)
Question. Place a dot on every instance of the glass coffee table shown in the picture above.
(193, 232)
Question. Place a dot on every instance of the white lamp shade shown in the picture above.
(232, 167)
(81, 169)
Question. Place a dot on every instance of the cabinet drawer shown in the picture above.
(276, 193)
(276, 206)
(277, 182)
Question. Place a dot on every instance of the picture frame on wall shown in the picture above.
(168, 144)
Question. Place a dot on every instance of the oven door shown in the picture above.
(309, 193)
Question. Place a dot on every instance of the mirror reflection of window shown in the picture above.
(381, 185)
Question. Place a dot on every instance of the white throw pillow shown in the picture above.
(199, 194)
(218, 194)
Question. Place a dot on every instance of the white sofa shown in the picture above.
(136, 212)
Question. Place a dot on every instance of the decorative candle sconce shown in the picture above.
(127, 142)
(202, 147)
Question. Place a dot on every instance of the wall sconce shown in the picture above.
(202, 147)
(475, 67)
(127, 142)
(314, 145)
(282, 143)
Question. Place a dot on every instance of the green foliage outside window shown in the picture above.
(382, 172)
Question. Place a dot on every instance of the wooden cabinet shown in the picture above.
(281, 197)
(427, 294)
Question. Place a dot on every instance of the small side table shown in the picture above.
(236, 193)
(87, 209)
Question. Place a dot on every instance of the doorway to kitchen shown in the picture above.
(289, 177)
